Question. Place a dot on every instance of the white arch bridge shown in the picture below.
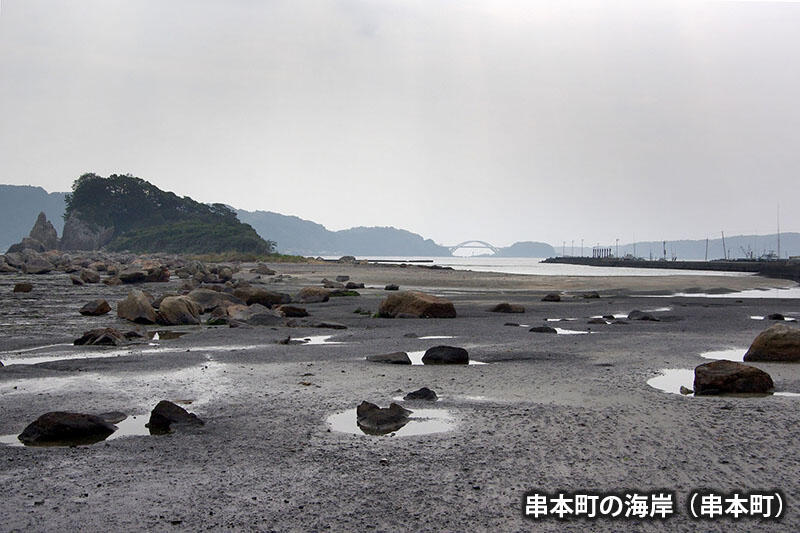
(474, 245)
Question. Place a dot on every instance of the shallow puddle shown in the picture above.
(562, 331)
(561, 319)
(785, 318)
(433, 337)
(316, 340)
(731, 354)
(132, 426)
(421, 422)
(416, 359)
(671, 380)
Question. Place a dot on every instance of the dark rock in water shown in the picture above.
(166, 413)
(292, 311)
(178, 311)
(445, 355)
(591, 295)
(543, 329)
(513, 324)
(641, 315)
(209, 299)
(416, 304)
(410, 335)
(506, 307)
(66, 429)
(597, 321)
(311, 295)
(342, 279)
(394, 358)
(101, 337)
(23, 287)
(329, 325)
(775, 316)
(354, 285)
(421, 394)
(777, 343)
(391, 287)
(95, 308)
(328, 284)
(609, 317)
(725, 377)
(552, 297)
(256, 295)
(133, 335)
(342, 292)
(137, 308)
(89, 276)
(685, 390)
(380, 421)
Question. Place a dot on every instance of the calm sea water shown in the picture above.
(534, 266)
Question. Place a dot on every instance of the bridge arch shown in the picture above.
(474, 244)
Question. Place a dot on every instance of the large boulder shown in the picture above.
(62, 428)
(424, 393)
(178, 311)
(416, 304)
(95, 308)
(209, 299)
(380, 421)
(137, 307)
(23, 287)
(642, 315)
(725, 377)
(27, 244)
(37, 265)
(506, 307)
(44, 232)
(5, 268)
(292, 311)
(101, 337)
(255, 315)
(257, 295)
(312, 295)
(89, 276)
(394, 358)
(445, 355)
(166, 413)
(144, 271)
(776, 343)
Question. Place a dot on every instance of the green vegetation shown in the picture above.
(146, 219)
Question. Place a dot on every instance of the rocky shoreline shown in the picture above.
(547, 412)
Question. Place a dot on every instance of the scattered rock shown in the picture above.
(776, 343)
(257, 295)
(421, 394)
(552, 297)
(394, 358)
(23, 287)
(89, 276)
(37, 265)
(178, 310)
(376, 420)
(166, 413)
(310, 295)
(641, 315)
(417, 305)
(342, 279)
(254, 315)
(775, 316)
(723, 377)
(513, 324)
(506, 307)
(353, 285)
(262, 269)
(329, 325)
(686, 390)
(392, 287)
(543, 329)
(347, 259)
(62, 428)
(137, 308)
(76, 280)
(209, 300)
(101, 337)
(445, 355)
(95, 308)
(292, 311)
(591, 295)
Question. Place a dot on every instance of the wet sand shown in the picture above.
(549, 412)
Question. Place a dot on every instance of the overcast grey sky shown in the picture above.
(497, 120)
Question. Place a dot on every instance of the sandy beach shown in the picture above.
(548, 412)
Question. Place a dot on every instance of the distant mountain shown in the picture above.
(527, 249)
(738, 246)
(294, 235)
(21, 204)
(129, 213)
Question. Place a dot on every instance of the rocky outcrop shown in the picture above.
(445, 355)
(417, 305)
(27, 244)
(44, 232)
(257, 295)
(78, 235)
(63, 428)
(178, 311)
(166, 414)
(137, 307)
(776, 343)
(254, 315)
(210, 300)
(311, 295)
(380, 421)
(730, 377)
(36, 264)
(424, 394)
(292, 311)
(95, 308)
(394, 358)
(506, 307)
(101, 337)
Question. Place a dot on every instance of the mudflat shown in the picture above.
(567, 412)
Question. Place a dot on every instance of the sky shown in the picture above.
(497, 120)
